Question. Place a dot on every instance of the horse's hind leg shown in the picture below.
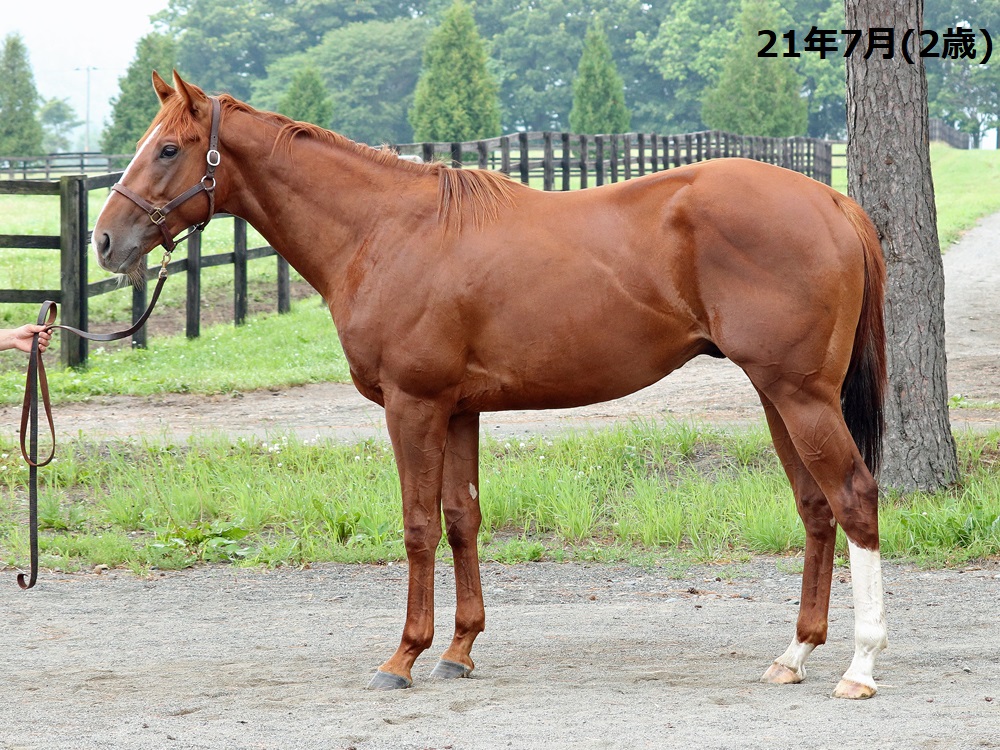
(821, 534)
(816, 426)
(459, 499)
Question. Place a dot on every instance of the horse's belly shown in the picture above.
(554, 379)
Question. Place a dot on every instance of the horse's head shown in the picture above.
(168, 186)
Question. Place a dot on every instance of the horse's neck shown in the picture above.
(315, 203)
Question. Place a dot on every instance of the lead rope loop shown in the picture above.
(36, 382)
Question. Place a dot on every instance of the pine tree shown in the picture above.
(58, 119)
(136, 104)
(307, 99)
(598, 91)
(756, 95)
(456, 98)
(20, 129)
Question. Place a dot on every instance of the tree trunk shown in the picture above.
(889, 174)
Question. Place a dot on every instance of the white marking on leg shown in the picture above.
(870, 633)
(795, 657)
(473, 491)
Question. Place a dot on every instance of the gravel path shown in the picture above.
(574, 656)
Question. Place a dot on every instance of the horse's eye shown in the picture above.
(169, 152)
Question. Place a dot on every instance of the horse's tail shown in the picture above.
(863, 392)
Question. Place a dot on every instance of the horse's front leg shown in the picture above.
(460, 499)
(418, 430)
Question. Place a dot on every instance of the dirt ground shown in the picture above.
(574, 656)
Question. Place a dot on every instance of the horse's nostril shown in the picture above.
(103, 245)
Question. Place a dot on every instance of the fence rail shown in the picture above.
(555, 161)
(53, 165)
(76, 289)
(938, 130)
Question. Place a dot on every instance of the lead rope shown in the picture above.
(35, 382)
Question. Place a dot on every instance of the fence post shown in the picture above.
(140, 338)
(598, 159)
(456, 154)
(627, 153)
(614, 157)
(193, 301)
(564, 164)
(522, 139)
(284, 287)
(584, 146)
(482, 154)
(824, 162)
(73, 267)
(239, 271)
(548, 157)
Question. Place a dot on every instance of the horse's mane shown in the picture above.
(474, 194)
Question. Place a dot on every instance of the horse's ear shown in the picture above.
(163, 90)
(194, 98)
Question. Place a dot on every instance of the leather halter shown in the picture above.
(207, 184)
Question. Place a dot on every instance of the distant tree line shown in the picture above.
(358, 66)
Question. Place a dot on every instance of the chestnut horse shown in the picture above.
(456, 292)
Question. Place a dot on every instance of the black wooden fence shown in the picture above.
(564, 161)
(554, 161)
(76, 289)
(937, 130)
(54, 165)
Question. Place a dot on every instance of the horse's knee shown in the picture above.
(421, 538)
(462, 524)
(816, 514)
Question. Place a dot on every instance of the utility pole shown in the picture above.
(86, 131)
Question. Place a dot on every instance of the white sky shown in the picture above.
(65, 37)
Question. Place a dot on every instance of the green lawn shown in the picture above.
(966, 186)
(638, 493)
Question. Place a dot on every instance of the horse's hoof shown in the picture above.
(388, 681)
(450, 670)
(779, 674)
(854, 690)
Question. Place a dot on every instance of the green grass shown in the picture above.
(301, 347)
(966, 187)
(644, 494)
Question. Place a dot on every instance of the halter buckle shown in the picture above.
(213, 157)
(163, 264)
(157, 216)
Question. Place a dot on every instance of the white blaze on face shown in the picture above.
(473, 491)
(139, 151)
